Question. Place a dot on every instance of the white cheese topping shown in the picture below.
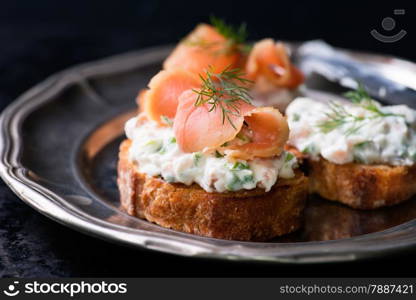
(359, 135)
(156, 153)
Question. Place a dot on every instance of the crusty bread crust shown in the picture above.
(361, 186)
(251, 215)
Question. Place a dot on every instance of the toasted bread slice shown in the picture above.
(249, 215)
(361, 186)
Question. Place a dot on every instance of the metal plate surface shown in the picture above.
(58, 151)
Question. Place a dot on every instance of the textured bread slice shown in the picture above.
(361, 186)
(250, 215)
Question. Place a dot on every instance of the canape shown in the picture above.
(360, 153)
(202, 159)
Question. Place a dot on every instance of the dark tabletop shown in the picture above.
(39, 38)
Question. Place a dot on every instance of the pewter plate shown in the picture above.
(58, 151)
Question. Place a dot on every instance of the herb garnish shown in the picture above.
(197, 158)
(166, 120)
(243, 137)
(362, 145)
(230, 32)
(289, 157)
(240, 166)
(239, 179)
(363, 99)
(296, 117)
(218, 154)
(340, 116)
(223, 91)
(235, 38)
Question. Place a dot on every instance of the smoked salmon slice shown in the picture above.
(161, 99)
(198, 127)
(268, 133)
(204, 47)
(270, 60)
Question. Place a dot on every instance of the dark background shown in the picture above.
(38, 38)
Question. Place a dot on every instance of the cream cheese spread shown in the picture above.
(156, 153)
(344, 132)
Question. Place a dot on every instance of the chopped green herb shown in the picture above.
(234, 184)
(237, 182)
(241, 175)
(240, 166)
(218, 154)
(362, 145)
(166, 120)
(308, 149)
(296, 117)
(243, 137)
(197, 158)
(248, 178)
(172, 140)
(289, 156)
(154, 145)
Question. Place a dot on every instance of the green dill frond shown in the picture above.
(197, 158)
(240, 166)
(289, 156)
(235, 39)
(166, 120)
(359, 95)
(218, 154)
(223, 91)
(236, 34)
(363, 144)
(339, 116)
(363, 99)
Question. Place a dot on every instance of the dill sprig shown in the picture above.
(338, 116)
(363, 99)
(237, 35)
(359, 95)
(223, 91)
(235, 38)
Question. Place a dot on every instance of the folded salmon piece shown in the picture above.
(198, 127)
(270, 60)
(161, 99)
(268, 134)
(204, 47)
(234, 126)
